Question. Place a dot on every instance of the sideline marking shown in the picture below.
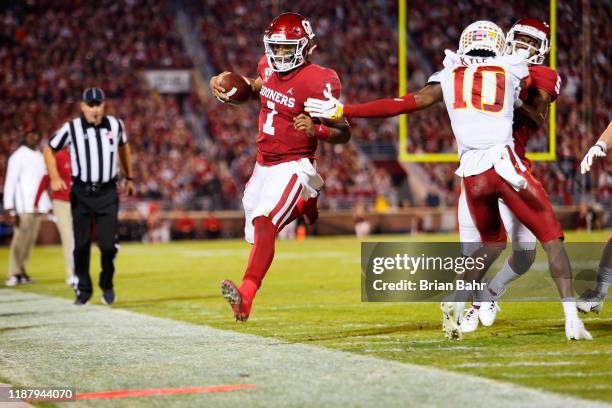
(161, 391)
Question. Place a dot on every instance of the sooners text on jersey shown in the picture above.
(282, 99)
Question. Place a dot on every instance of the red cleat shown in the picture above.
(310, 210)
(240, 306)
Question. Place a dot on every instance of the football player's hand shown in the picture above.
(216, 89)
(305, 124)
(129, 187)
(11, 218)
(57, 184)
(597, 150)
(329, 108)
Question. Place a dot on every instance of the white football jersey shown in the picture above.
(479, 94)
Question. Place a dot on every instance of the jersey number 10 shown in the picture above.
(477, 89)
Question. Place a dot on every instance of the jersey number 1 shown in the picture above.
(477, 89)
(268, 127)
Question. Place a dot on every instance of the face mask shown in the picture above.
(523, 53)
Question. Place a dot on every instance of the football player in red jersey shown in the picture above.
(530, 38)
(284, 184)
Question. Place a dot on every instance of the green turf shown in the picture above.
(312, 295)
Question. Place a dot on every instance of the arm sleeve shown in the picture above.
(42, 187)
(61, 138)
(10, 184)
(122, 133)
(382, 108)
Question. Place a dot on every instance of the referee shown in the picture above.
(97, 142)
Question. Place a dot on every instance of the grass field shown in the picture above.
(312, 295)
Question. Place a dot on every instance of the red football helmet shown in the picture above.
(532, 27)
(288, 42)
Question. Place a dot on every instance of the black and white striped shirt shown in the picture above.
(93, 149)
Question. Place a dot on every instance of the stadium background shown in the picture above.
(192, 153)
(193, 156)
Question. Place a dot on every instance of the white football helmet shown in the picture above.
(482, 35)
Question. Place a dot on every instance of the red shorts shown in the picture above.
(531, 206)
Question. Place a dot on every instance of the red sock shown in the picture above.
(304, 207)
(311, 212)
(261, 257)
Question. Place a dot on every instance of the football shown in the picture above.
(237, 88)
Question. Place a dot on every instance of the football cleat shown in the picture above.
(590, 301)
(24, 278)
(451, 319)
(470, 320)
(240, 306)
(574, 329)
(488, 312)
(12, 281)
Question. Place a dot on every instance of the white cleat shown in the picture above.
(574, 330)
(12, 281)
(488, 313)
(590, 301)
(470, 320)
(451, 319)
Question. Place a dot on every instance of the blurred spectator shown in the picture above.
(362, 224)
(184, 227)
(211, 225)
(25, 173)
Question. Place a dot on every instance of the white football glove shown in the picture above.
(329, 108)
(574, 329)
(599, 149)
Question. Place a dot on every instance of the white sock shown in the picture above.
(569, 307)
(502, 279)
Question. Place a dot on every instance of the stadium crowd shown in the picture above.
(47, 56)
(435, 27)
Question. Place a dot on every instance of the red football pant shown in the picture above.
(531, 206)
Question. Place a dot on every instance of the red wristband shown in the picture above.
(322, 132)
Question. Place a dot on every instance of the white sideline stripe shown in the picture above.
(47, 341)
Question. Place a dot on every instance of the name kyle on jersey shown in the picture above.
(277, 97)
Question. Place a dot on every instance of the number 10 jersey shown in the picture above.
(479, 94)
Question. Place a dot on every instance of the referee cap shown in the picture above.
(93, 95)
